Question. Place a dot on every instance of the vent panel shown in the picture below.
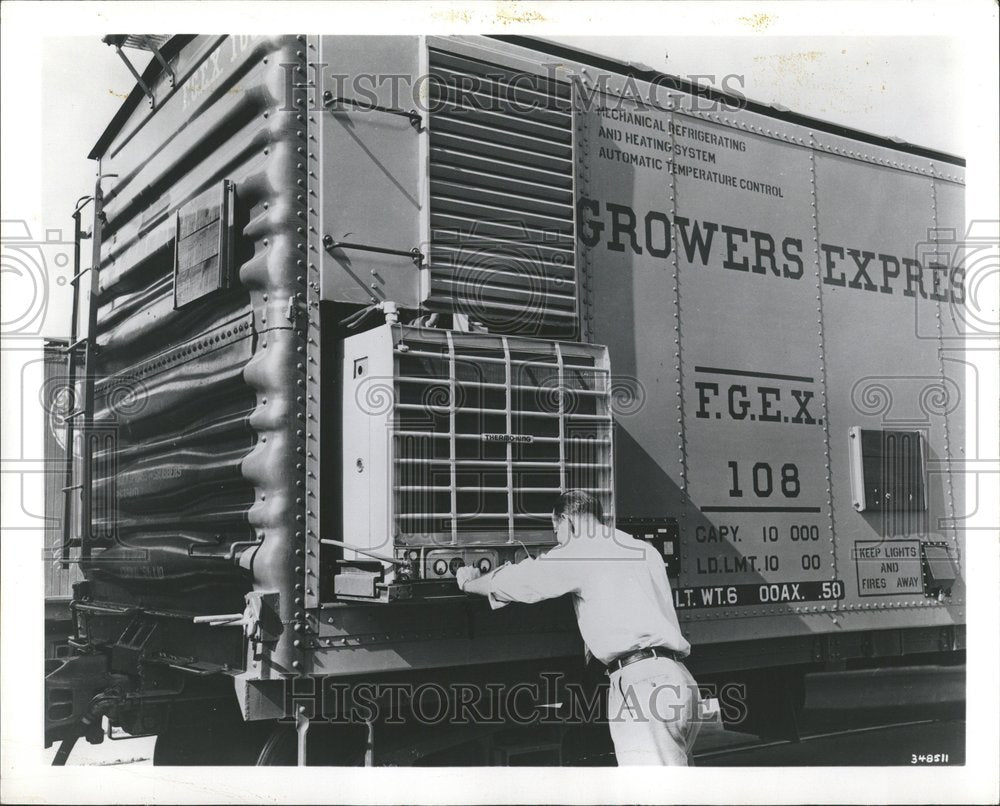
(488, 430)
(503, 246)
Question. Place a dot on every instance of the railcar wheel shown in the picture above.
(210, 744)
(209, 735)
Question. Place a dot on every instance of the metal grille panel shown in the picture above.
(501, 197)
(487, 431)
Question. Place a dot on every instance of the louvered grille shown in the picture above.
(488, 431)
(501, 197)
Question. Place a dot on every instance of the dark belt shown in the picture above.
(643, 654)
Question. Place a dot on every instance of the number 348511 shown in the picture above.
(934, 758)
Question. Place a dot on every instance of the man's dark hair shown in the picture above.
(574, 502)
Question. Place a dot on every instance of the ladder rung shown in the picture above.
(78, 275)
(74, 414)
(72, 487)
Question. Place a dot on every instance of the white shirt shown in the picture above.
(620, 592)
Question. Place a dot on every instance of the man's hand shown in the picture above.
(465, 575)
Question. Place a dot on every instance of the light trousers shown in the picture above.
(653, 713)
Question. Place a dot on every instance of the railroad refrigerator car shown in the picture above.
(361, 306)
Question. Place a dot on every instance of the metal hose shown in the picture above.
(94, 712)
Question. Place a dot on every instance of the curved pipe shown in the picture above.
(97, 708)
(95, 711)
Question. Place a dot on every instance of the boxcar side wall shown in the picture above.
(764, 289)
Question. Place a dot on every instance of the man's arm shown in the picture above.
(528, 581)
(471, 581)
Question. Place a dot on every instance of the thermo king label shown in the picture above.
(507, 438)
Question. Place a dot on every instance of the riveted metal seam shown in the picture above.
(276, 370)
(309, 409)
(678, 359)
(821, 332)
(952, 525)
(683, 500)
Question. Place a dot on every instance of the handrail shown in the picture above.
(416, 119)
(413, 254)
(70, 486)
